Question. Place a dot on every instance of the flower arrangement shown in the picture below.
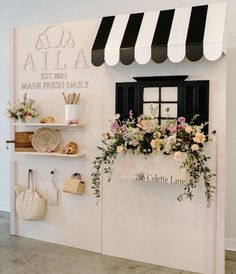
(23, 111)
(176, 138)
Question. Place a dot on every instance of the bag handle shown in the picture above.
(76, 176)
(31, 180)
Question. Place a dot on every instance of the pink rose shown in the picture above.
(134, 143)
(172, 128)
(72, 122)
(171, 140)
(181, 120)
(180, 126)
(115, 126)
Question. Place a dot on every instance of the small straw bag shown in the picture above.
(74, 185)
(29, 203)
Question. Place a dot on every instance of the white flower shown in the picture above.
(157, 135)
(119, 149)
(167, 148)
(171, 140)
(177, 155)
(195, 147)
(188, 129)
(28, 118)
(117, 116)
(199, 138)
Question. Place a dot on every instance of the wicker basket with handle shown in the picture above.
(45, 139)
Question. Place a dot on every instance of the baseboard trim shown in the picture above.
(5, 207)
(230, 244)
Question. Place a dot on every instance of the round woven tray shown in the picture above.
(45, 140)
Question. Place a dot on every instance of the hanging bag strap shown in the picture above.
(53, 177)
(31, 181)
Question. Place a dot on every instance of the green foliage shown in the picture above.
(175, 138)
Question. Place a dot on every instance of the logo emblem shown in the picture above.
(55, 36)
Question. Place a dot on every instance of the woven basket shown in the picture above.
(45, 140)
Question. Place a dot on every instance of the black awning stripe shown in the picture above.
(194, 42)
(130, 37)
(161, 36)
(101, 40)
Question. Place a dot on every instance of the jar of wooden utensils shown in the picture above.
(71, 107)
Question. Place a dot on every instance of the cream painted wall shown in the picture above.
(23, 13)
(231, 129)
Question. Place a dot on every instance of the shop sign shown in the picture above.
(156, 169)
(53, 60)
(157, 178)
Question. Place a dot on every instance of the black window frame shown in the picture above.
(160, 85)
(189, 93)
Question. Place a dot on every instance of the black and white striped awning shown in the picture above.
(174, 34)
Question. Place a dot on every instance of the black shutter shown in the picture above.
(127, 98)
(194, 99)
(202, 103)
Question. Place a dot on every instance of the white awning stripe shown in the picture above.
(176, 45)
(146, 33)
(112, 49)
(214, 31)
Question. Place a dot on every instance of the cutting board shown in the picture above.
(22, 141)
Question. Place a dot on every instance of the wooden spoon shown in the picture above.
(64, 96)
(74, 98)
(70, 98)
(77, 99)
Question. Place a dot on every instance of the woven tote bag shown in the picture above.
(30, 205)
(74, 185)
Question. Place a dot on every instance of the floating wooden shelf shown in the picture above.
(48, 125)
(55, 154)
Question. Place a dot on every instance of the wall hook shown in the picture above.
(53, 171)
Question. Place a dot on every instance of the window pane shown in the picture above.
(151, 94)
(147, 108)
(169, 110)
(169, 94)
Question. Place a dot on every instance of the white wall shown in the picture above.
(231, 129)
(22, 13)
(148, 215)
